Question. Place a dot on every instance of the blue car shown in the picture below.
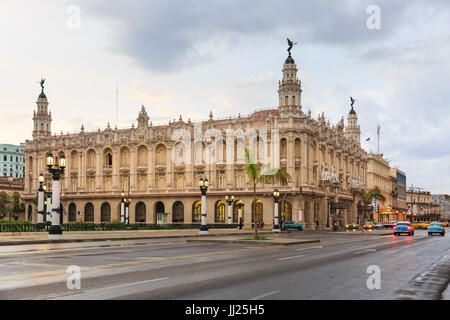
(403, 227)
(436, 227)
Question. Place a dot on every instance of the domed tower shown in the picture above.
(42, 119)
(352, 130)
(289, 90)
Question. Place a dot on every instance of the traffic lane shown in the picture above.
(158, 264)
(246, 270)
(341, 279)
(51, 261)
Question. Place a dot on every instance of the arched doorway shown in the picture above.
(197, 211)
(89, 212)
(178, 212)
(219, 214)
(159, 208)
(287, 211)
(72, 212)
(236, 212)
(257, 211)
(105, 212)
(140, 212)
(30, 212)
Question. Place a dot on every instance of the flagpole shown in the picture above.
(378, 134)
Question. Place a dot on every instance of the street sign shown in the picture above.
(374, 203)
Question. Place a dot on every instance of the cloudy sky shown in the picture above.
(189, 57)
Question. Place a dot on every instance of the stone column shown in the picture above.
(304, 162)
(133, 169)
(115, 179)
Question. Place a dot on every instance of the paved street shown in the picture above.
(335, 268)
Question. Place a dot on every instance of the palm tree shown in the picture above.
(370, 194)
(255, 175)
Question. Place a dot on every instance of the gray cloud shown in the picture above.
(162, 35)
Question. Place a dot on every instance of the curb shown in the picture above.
(28, 242)
(429, 285)
(259, 242)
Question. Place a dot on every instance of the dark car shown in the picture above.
(293, 225)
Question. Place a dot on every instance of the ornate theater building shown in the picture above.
(159, 168)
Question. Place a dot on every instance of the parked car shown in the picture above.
(403, 227)
(352, 226)
(420, 225)
(444, 223)
(293, 225)
(436, 227)
(390, 224)
(379, 226)
(369, 225)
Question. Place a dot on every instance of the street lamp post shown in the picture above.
(240, 205)
(56, 168)
(203, 188)
(328, 211)
(47, 206)
(276, 196)
(122, 207)
(127, 210)
(41, 194)
(229, 200)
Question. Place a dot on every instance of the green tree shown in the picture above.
(255, 175)
(6, 205)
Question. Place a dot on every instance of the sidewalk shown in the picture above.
(24, 238)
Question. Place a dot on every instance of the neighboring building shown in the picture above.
(420, 207)
(327, 165)
(13, 186)
(399, 205)
(12, 161)
(378, 174)
(443, 200)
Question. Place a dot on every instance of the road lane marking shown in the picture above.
(147, 258)
(128, 263)
(316, 247)
(368, 250)
(265, 295)
(127, 284)
(46, 250)
(293, 257)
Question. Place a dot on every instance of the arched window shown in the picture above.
(108, 157)
(257, 211)
(219, 215)
(293, 100)
(286, 100)
(283, 148)
(197, 211)
(178, 212)
(298, 148)
(89, 212)
(105, 212)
